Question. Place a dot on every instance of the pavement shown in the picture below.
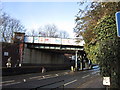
(95, 82)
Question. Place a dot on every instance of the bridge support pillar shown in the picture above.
(76, 52)
(81, 65)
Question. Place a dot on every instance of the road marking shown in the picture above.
(56, 74)
(64, 73)
(24, 80)
(8, 81)
(40, 78)
(11, 83)
(35, 77)
(95, 72)
(85, 76)
(70, 82)
(47, 75)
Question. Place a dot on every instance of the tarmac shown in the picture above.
(94, 83)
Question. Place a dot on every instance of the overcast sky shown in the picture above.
(35, 14)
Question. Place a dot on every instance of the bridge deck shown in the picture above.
(54, 44)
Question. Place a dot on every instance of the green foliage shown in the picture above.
(106, 29)
(106, 48)
(92, 52)
(102, 44)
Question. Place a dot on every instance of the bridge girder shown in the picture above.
(56, 48)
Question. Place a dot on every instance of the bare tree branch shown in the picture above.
(8, 26)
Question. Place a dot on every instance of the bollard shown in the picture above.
(71, 68)
(43, 70)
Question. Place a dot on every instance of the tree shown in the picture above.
(63, 34)
(87, 18)
(32, 32)
(100, 35)
(48, 31)
(8, 26)
(51, 30)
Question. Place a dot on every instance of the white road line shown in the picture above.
(56, 74)
(35, 77)
(85, 76)
(64, 73)
(70, 82)
(40, 78)
(47, 75)
(11, 83)
(8, 81)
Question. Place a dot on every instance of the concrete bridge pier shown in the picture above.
(76, 59)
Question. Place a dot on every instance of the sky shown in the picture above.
(33, 15)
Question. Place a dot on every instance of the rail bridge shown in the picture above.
(52, 52)
(56, 44)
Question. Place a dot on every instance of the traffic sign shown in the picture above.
(118, 23)
(106, 81)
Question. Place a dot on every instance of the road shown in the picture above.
(66, 79)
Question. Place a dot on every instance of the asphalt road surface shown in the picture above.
(56, 79)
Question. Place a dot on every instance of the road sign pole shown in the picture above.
(118, 23)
